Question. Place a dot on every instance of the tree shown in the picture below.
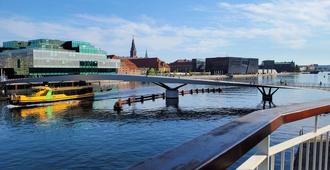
(151, 71)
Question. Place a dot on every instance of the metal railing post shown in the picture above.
(316, 124)
(307, 154)
(314, 153)
(321, 153)
(292, 158)
(263, 149)
(326, 151)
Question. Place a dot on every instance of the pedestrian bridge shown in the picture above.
(266, 90)
(152, 79)
(171, 92)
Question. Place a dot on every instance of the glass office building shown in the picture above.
(44, 57)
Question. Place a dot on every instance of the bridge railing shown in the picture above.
(223, 146)
(306, 152)
(322, 85)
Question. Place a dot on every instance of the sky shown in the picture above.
(283, 30)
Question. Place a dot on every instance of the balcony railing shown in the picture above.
(265, 156)
(223, 146)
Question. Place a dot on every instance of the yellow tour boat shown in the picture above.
(45, 94)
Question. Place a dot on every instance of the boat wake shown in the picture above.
(11, 106)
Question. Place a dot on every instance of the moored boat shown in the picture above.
(45, 94)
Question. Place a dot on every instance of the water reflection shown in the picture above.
(77, 111)
(44, 113)
(266, 104)
(91, 135)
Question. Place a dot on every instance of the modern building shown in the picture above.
(285, 67)
(313, 67)
(198, 65)
(181, 66)
(267, 64)
(231, 65)
(322, 68)
(278, 66)
(45, 57)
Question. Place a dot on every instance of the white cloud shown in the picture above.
(114, 33)
(289, 23)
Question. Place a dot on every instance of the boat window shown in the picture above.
(44, 93)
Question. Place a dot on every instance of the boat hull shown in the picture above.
(55, 98)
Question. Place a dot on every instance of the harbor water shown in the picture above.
(89, 134)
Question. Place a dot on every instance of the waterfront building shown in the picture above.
(45, 57)
(126, 66)
(231, 65)
(278, 66)
(285, 66)
(198, 65)
(267, 67)
(322, 68)
(312, 67)
(181, 66)
(303, 68)
(267, 64)
(147, 63)
(151, 63)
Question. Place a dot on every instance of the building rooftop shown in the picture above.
(182, 61)
(53, 44)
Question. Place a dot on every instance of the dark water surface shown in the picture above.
(90, 135)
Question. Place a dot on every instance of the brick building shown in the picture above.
(148, 63)
(143, 64)
(126, 66)
(181, 66)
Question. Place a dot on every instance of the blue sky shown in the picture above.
(283, 30)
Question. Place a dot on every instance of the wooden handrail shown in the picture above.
(221, 147)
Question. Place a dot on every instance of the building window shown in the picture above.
(88, 64)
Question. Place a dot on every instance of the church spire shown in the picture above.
(146, 55)
(133, 49)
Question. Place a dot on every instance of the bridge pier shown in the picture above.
(171, 94)
(172, 97)
(267, 96)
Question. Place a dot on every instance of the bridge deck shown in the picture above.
(138, 78)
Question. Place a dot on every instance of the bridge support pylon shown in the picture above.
(267, 96)
(171, 94)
